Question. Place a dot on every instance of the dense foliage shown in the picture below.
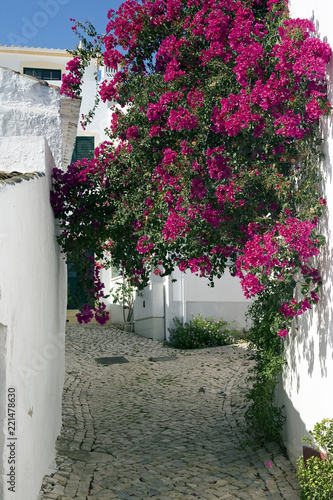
(316, 475)
(199, 333)
(213, 153)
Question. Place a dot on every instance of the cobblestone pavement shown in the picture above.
(163, 428)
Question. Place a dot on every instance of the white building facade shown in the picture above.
(164, 299)
(32, 282)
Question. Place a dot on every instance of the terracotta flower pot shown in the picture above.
(311, 452)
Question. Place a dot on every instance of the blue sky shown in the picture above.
(45, 23)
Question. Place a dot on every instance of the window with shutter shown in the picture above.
(84, 148)
(43, 74)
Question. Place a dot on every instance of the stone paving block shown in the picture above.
(58, 490)
(287, 491)
(243, 495)
(70, 492)
(277, 496)
(293, 496)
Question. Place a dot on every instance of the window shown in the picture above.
(84, 148)
(106, 73)
(76, 295)
(43, 74)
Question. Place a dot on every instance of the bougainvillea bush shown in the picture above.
(213, 152)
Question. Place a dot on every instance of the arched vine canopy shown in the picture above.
(213, 150)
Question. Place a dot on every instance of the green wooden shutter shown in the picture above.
(84, 148)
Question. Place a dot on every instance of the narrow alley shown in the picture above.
(141, 420)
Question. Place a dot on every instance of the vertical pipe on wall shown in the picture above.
(182, 284)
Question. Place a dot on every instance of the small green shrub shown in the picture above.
(200, 333)
(316, 476)
(241, 335)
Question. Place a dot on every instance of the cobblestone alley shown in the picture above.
(162, 425)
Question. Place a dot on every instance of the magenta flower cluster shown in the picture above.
(99, 311)
(284, 251)
(71, 81)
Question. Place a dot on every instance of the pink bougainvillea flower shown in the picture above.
(132, 133)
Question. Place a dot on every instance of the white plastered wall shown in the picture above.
(29, 107)
(17, 58)
(183, 294)
(102, 118)
(32, 282)
(306, 390)
(226, 299)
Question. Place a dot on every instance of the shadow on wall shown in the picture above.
(317, 324)
(292, 439)
(325, 312)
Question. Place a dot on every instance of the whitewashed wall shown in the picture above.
(226, 299)
(307, 382)
(102, 117)
(164, 299)
(32, 282)
(26, 104)
(110, 285)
